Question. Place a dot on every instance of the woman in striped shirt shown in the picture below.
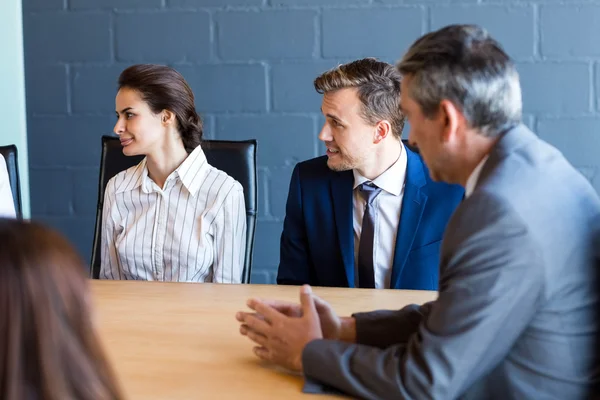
(173, 217)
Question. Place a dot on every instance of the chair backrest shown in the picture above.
(10, 155)
(236, 158)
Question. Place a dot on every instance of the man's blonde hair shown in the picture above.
(378, 87)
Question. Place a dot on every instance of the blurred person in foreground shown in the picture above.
(49, 349)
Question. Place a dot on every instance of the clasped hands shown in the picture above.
(281, 329)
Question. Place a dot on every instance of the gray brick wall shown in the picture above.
(251, 64)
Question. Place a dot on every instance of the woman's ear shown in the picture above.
(167, 117)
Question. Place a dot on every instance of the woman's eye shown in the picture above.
(128, 115)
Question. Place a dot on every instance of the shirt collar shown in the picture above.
(135, 179)
(392, 179)
(191, 172)
(474, 177)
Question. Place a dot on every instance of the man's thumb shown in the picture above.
(306, 300)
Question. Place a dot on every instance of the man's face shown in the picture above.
(347, 136)
(425, 133)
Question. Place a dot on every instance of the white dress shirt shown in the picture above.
(193, 230)
(388, 205)
(7, 206)
(474, 177)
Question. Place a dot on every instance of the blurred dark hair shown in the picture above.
(163, 88)
(48, 346)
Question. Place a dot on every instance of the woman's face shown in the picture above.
(140, 130)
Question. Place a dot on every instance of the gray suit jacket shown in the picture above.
(518, 311)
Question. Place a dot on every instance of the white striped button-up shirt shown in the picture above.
(194, 229)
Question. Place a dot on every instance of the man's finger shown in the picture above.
(262, 353)
(257, 338)
(323, 308)
(268, 312)
(320, 303)
(306, 301)
(244, 329)
(257, 324)
(241, 316)
(285, 307)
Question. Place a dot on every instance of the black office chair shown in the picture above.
(10, 155)
(236, 158)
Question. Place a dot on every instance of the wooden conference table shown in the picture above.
(181, 341)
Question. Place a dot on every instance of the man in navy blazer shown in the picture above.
(327, 214)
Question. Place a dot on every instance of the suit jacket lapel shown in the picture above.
(413, 204)
(341, 193)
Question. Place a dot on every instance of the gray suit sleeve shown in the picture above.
(385, 328)
(490, 287)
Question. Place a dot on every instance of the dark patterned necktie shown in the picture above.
(366, 274)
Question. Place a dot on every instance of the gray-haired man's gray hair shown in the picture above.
(465, 65)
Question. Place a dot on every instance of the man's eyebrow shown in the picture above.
(332, 116)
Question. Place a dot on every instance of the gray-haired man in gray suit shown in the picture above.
(518, 306)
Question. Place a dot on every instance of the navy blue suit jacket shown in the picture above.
(317, 243)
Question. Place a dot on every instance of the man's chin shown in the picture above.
(338, 166)
(436, 176)
(441, 176)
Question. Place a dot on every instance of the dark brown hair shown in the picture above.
(163, 88)
(378, 85)
(48, 346)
